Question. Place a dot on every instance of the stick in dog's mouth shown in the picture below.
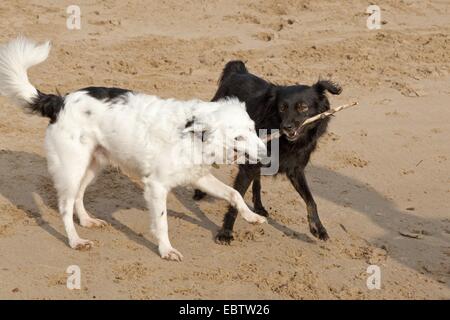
(315, 118)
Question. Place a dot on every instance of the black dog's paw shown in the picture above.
(224, 237)
(319, 232)
(198, 195)
(262, 211)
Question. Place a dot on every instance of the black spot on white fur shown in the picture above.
(199, 134)
(47, 105)
(190, 122)
(107, 94)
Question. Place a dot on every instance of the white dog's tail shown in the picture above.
(15, 59)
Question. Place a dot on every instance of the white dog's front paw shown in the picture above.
(93, 223)
(81, 244)
(252, 217)
(171, 254)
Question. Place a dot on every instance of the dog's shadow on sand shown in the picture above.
(24, 179)
(24, 175)
(348, 192)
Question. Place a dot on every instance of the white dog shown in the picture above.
(143, 134)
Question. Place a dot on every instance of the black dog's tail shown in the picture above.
(15, 59)
(235, 66)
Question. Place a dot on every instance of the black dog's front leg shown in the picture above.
(257, 203)
(298, 180)
(241, 183)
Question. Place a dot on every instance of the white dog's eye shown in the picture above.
(239, 138)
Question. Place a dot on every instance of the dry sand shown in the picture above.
(383, 168)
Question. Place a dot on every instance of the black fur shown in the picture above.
(189, 123)
(277, 107)
(47, 105)
(106, 94)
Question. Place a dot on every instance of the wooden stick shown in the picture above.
(317, 117)
(328, 113)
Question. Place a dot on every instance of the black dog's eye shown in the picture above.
(302, 107)
(283, 108)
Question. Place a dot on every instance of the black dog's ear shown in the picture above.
(331, 87)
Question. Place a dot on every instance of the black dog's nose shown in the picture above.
(288, 127)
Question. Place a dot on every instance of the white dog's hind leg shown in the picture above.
(85, 219)
(217, 188)
(156, 197)
(68, 160)
(66, 209)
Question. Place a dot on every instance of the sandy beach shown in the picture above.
(381, 175)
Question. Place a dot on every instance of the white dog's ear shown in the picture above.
(197, 128)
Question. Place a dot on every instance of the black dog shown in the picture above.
(284, 108)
